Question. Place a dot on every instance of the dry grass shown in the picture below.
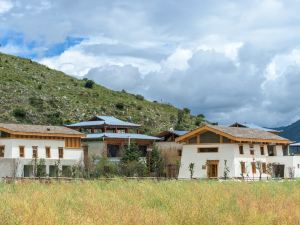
(147, 202)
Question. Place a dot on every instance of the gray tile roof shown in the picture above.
(104, 120)
(122, 136)
(249, 133)
(38, 129)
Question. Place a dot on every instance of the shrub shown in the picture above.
(106, 168)
(139, 97)
(133, 169)
(186, 110)
(36, 102)
(156, 162)
(89, 84)
(120, 106)
(19, 113)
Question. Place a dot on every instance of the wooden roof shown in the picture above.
(40, 130)
(238, 134)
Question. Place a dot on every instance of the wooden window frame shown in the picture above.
(48, 152)
(205, 150)
(253, 167)
(262, 150)
(251, 151)
(2, 151)
(35, 153)
(264, 167)
(241, 149)
(60, 152)
(22, 151)
(243, 167)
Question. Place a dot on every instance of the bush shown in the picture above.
(120, 106)
(36, 102)
(89, 84)
(133, 169)
(106, 168)
(186, 110)
(19, 113)
(139, 97)
(157, 164)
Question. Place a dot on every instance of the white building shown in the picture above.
(246, 152)
(23, 146)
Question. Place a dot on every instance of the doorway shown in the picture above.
(278, 171)
(212, 168)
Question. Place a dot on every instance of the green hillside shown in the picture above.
(33, 93)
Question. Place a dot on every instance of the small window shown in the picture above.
(243, 167)
(241, 149)
(60, 153)
(264, 167)
(251, 151)
(262, 150)
(203, 150)
(2, 150)
(253, 165)
(48, 152)
(21, 151)
(179, 152)
(34, 152)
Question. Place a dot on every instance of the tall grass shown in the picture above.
(148, 202)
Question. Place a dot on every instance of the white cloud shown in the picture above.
(5, 6)
(231, 60)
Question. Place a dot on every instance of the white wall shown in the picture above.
(229, 152)
(12, 148)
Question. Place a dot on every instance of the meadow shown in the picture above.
(150, 202)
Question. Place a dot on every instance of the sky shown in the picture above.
(229, 60)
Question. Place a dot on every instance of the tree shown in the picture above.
(131, 165)
(259, 168)
(156, 162)
(191, 169)
(89, 84)
(186, 110)
(131, 153)
(226, 170)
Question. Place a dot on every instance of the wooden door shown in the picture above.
(212, 168)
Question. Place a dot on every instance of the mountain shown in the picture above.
(291, 132)
(33, 93)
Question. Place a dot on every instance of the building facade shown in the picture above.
(209, 151)
(22, 147)
(107, 136)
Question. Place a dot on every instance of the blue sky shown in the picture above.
(230, 60)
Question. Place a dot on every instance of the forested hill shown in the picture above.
(34, 94)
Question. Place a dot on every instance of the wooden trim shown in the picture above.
(206, 128)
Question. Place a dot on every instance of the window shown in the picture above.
(34, 151)
(192, 140)
(271, 150)
(285, 150)
(21, 151)
(264, 167)
(253, 165)
(179, 152)
(262, 150)
(48, 152)
(251, 151)
(60, 153)
(243, 168)
(241, 149)
(2, 150)
(114, 150)
(203, 150)
(72, 143)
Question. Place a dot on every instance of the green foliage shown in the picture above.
(191, 169)
(186, 110)
(106, 168)
(157, 163)
(19, 113)
(120, 106)
(139, 97)
(57, 98)
(89, 84)
(133, 169)
(131, 153)
(40, 168)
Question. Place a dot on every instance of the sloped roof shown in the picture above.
(104, 120)
(38, 130)
(254, 126)
(122, 136)
(176, 132)
(238, 134)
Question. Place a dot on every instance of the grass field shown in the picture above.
(149, 202)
